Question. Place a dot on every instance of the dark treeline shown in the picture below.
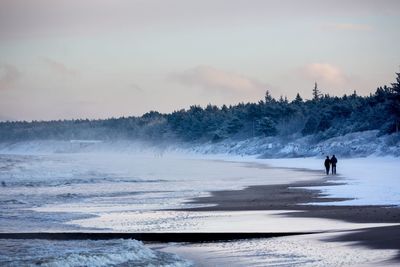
(324, 116)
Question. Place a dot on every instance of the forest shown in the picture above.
(323, 116)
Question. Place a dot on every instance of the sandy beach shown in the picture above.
(291, 197)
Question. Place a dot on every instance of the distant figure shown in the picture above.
(333, 161)
(3, 184)
(327, 164)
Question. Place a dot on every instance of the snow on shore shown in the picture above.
(373, 180)
(359, 144)
(369, 181)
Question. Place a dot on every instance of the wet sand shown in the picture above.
(293, 196)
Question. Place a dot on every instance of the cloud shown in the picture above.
(349, 27)
(326, 73)
(353, 27)
(59, 67)
(9, 74)
(136, 87)
(210, 78)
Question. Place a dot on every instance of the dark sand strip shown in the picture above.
(386, 237)
(148, 237)
(290, 196)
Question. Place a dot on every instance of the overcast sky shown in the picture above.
(108, 58)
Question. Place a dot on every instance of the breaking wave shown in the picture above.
(85, 253)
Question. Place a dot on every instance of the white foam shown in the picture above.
(305, 250)
(84, 253)
(215, 221)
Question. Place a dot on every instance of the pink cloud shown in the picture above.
(208, 77)
(326, 73)
(9, 74)
(59, 67)
(351, 27)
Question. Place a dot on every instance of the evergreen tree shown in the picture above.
(298, 99)
(234, 125)
(394, 105)
(268, 97)
(311, 125)
(267, 126)
(332, 115)
(396, 85)
(316, 93)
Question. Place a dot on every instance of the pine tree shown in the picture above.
(395, 103)
(298, 98)
(267, 126)
(234, 125)
(396, 85)
(268, 97)
(316, 92)
(283, 100)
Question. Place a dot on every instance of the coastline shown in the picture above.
(241, 208)
(293, 197)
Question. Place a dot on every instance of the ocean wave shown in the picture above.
(67, 182)
(86, 253)
(12, 201)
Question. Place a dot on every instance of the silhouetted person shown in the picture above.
(327, 164)
(333, 161)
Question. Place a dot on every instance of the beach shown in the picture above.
(242, 199)
(291, 197)
(300, 200)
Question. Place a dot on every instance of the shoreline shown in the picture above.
(248, 207)
(292, 197)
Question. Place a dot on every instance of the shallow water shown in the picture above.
(53, 190)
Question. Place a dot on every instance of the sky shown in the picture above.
(63, 59)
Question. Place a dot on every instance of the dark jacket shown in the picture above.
(333, 161)
(327, 163)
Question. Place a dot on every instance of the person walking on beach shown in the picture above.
(327, 164)
(333, 161)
